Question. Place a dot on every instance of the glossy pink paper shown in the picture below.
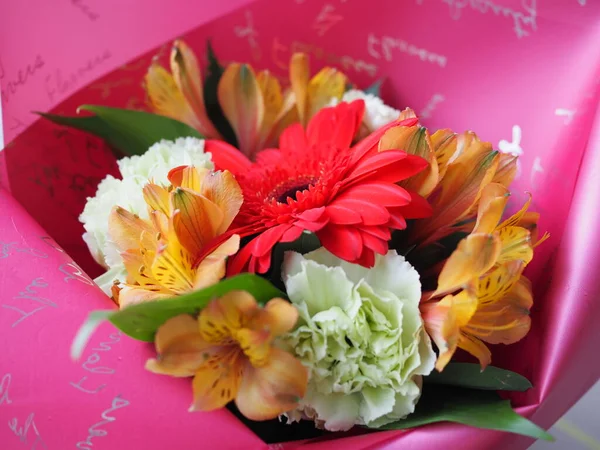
(524, 75)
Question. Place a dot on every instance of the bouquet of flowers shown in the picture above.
(307, 254)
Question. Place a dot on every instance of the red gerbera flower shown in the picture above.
(347, 196)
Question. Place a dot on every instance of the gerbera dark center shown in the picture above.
(290, 188)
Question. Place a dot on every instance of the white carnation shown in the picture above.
(136, 171)
(377, 113)
(361, 335)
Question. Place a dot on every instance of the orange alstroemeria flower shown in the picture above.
(173, 252)
(460, 167)
(229, 351)
(485, 296)
(256, 106)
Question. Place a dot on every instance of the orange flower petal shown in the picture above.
(223, 316)
(444, 144)
(516, 244)
(213, 267)
(440, 323)
(476, 348)
(196, 219)
(165, 97)
(218, 379)
(157, 198)
(223, 190)
(507, 169)
(444, 320)
(491, 206)
(326, 85)
(187, 177)
(299, 79)
(460, 190)
(272, 389)
(187, 77)
(474, 255)
(180, 347)
(515, 219)
(499, 281)
(242, 103)
(278, 316)
(256, 345)
(173, 265)
(407, 113)
(507, 320)
(273, 101)
(132, 295)
(127, 229)
(414, 140)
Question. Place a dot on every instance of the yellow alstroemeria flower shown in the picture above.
(485, 296)
(255, 105)
(229, 351)
(180, 94)
(178, 250)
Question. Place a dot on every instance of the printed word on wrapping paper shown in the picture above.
(25, 430)
(386, 46)
(280, 54)
(524, 19)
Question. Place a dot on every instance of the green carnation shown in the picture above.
(361, 335)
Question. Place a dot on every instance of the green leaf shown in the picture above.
(126, 131)
(375, 88)
(481, 409)
(211, 100)
(470, 376)
(142, 320)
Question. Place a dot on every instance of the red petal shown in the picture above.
(293, 139)
(292, 234)
(391, 166)
(367, 259)
(226, 157)
(344, 242)
(337, 125)
(377, 245)
(239, 262)
(379, 232)
(268, 156)
(418, 208)
(341, 215)
(397, 220)
(265, 242)
(312, 214)
(384, 194)
(371, 213)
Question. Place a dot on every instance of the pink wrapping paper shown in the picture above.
(524, 75)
